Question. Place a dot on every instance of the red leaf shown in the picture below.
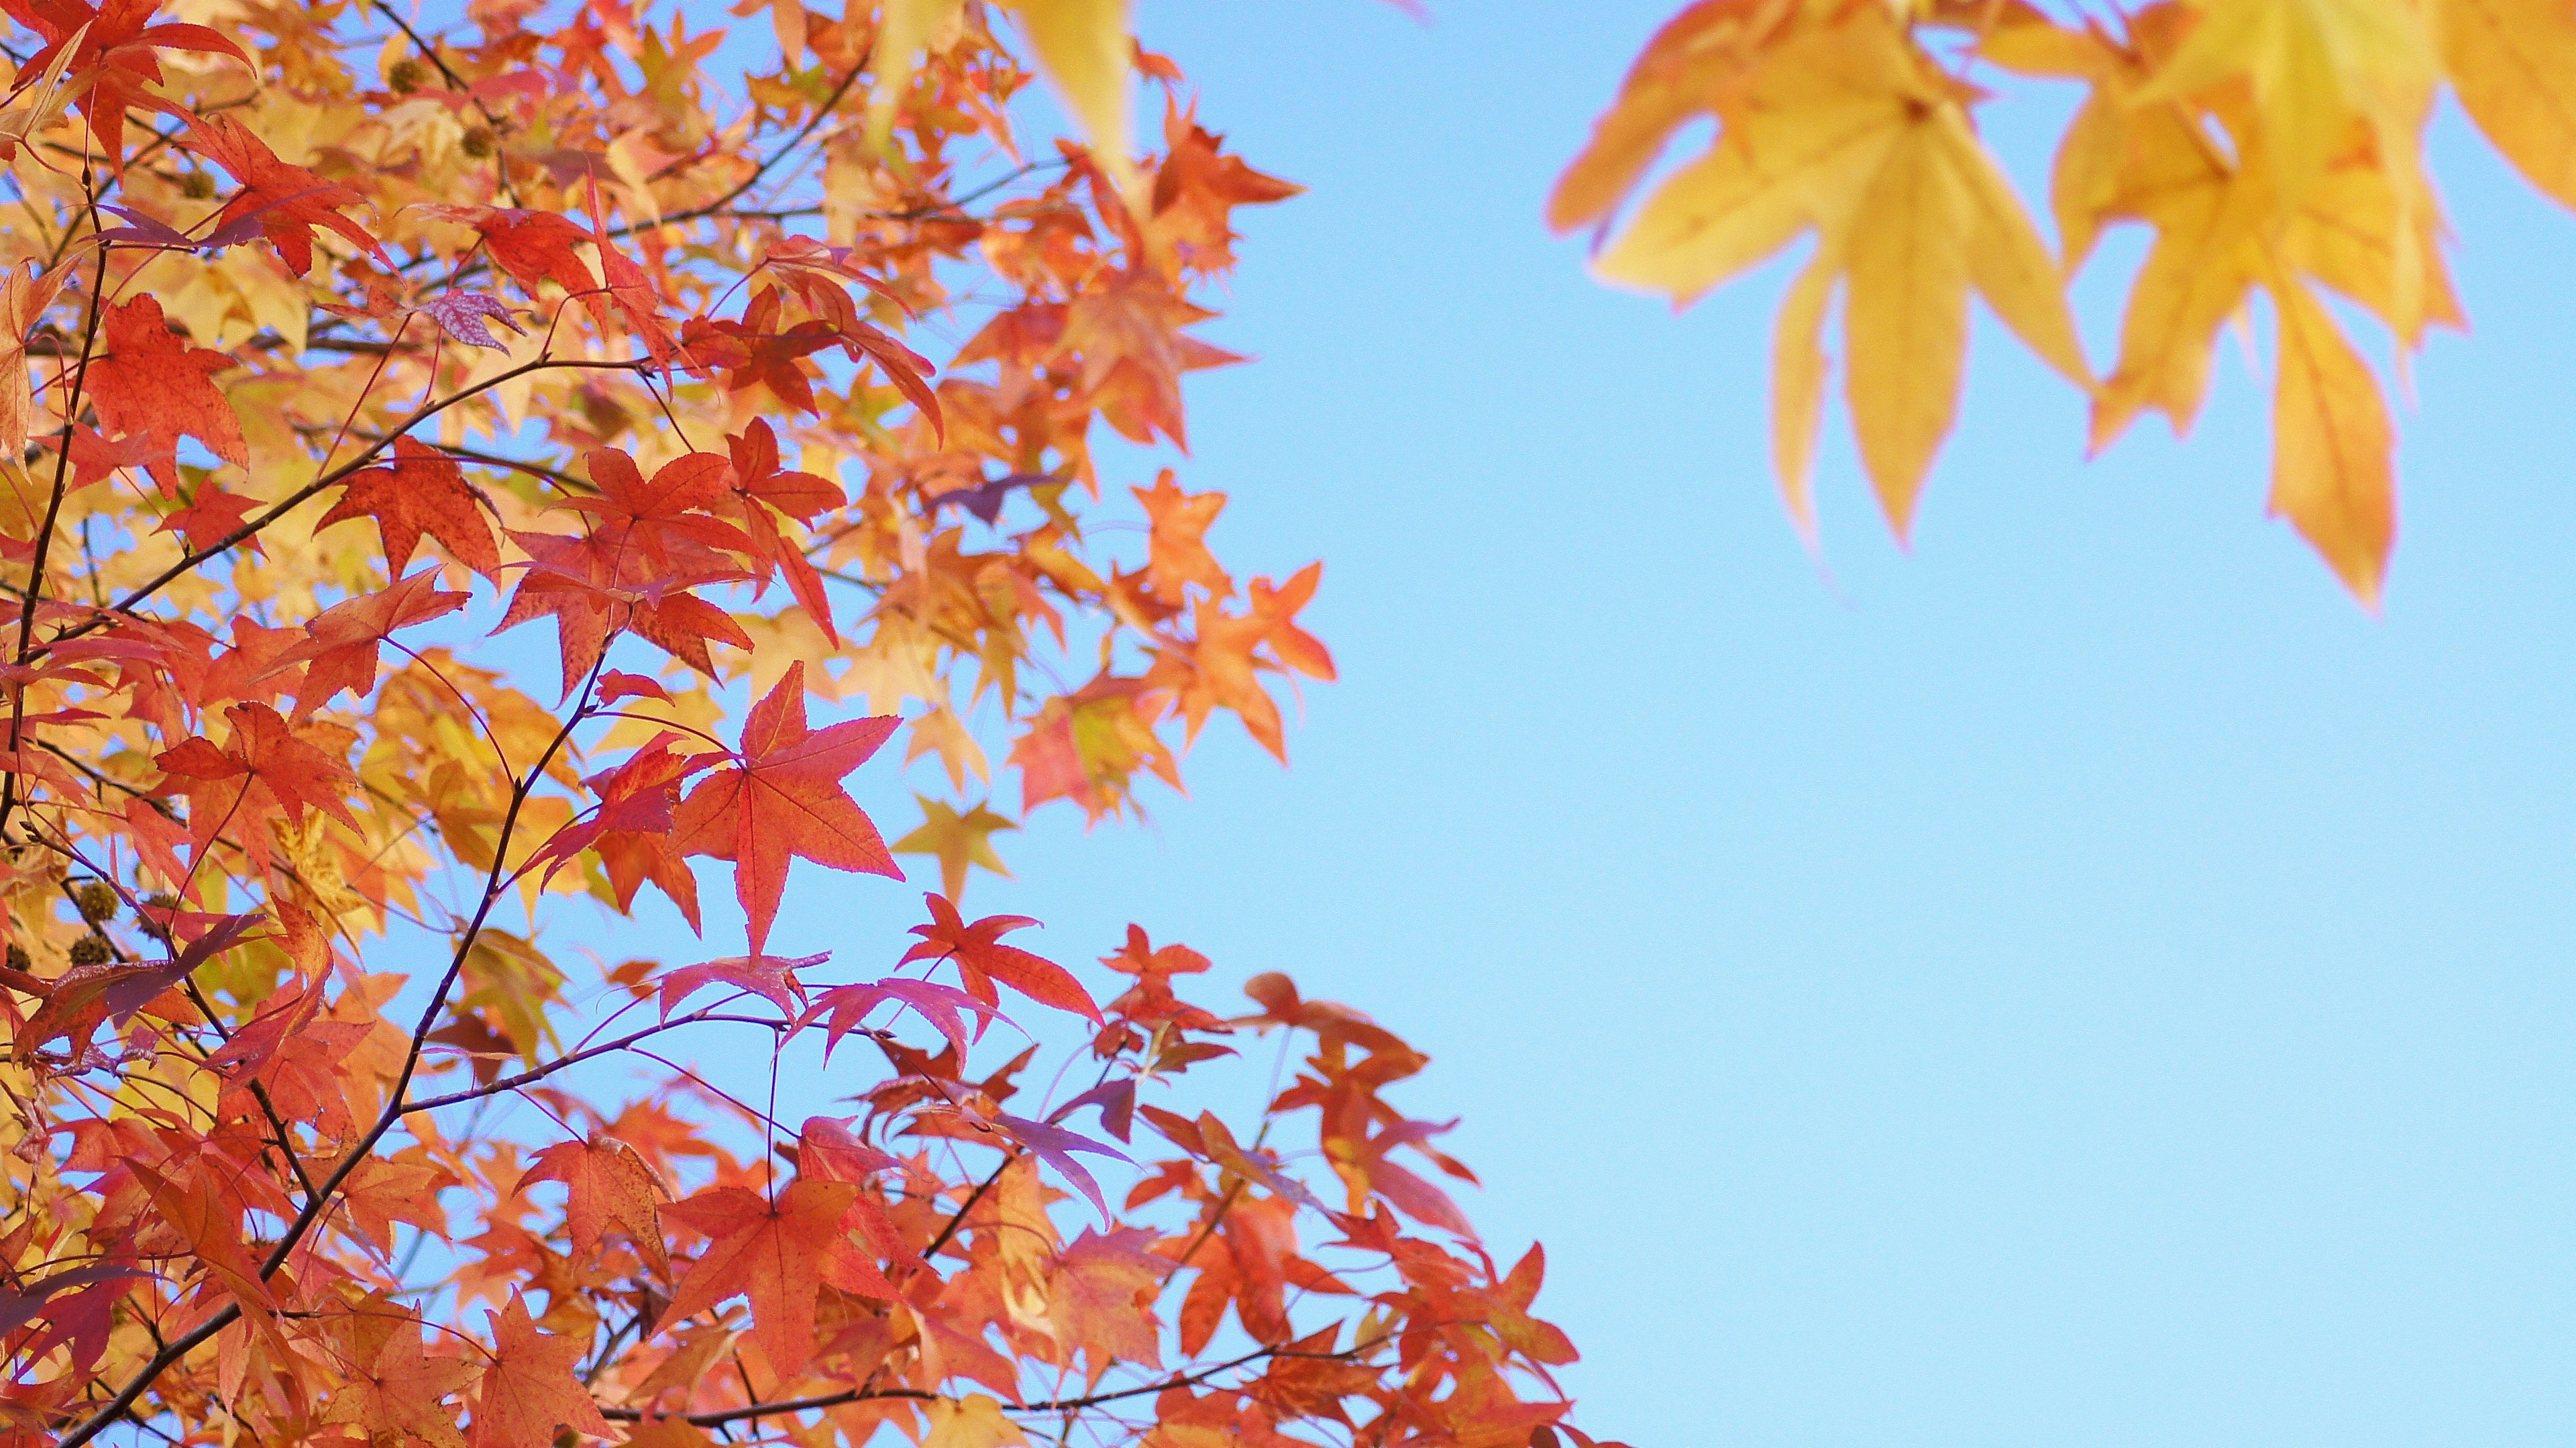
(780, 797)
(289, 201)
(777, 1254)
(341, 652)
(982, 959)
(529, 1389)
(423, 492)
(152, 385)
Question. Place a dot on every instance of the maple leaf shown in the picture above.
(528, 246)
(528, 1389)
(1100, 1299)
(398, 1389)
(760, 487)
(266, 766)
(754, 354)
(1197, 188)
(468, 317)
(2508, 60)
(1850, 132)
(24, 296)
(210, 516)
(289, 201)
(982, 959)
(958, 840)
(112, 56)
(770, 977)
(776, 1253)
(151, 385)
(779, 797)
(944, 1006)
(423, 491)
(1056, 1147)
(974, 1421)
(1177, 549)
(610, 1186)
(345, 638)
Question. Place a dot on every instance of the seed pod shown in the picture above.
(90, 950)
(97, 901)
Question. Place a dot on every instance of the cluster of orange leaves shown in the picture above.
(2274, 147)
(337, 349)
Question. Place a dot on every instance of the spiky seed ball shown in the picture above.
(97, 901)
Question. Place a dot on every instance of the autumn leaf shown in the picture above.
(2512, 63)
(398, 1388)
(1847, 134)
(24, 296)
(112, 49)
(959, 841)
(346, 637)
(982, 959)
(468, 317)
(151, 385)
(974, 1421)
(528, 1388)
(779, 797)
(289, 201)
(609, 1186)
(778, 1253)
(423, 492)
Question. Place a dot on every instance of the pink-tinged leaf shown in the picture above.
(616, 684)
(771, 977)
(941, 1005)
(468, 317)
(981, 959)
(1117, 1103)
(1055, 1146)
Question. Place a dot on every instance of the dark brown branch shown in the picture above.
(250, 528)
(34, 596)
(493, 889)
(538, 1073)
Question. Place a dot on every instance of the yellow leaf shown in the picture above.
(957, 840)
(2514, 65)
(1727, 211)
(1905, 322)
(904, 32)
(2315, 67)
(2348, 235)
(976, 1422)
(2195, 277)
(1697, 63)
(1798, 386)
(1084, 48)
(2331, 445)
(2006, 259)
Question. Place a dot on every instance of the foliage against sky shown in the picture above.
(765, 404)
(2274, 148)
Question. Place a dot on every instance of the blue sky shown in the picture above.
(2083, 983)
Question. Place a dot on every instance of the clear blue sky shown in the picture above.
(2085, 983)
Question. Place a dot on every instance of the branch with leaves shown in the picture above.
(373, 344)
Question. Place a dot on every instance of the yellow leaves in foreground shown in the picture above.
(1082, 45)
(1852, 134)
(2274, 147)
